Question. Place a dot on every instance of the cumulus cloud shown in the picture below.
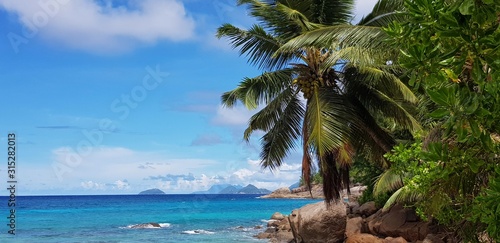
(121, 185)
(103, 26)
(199, 183)
(96, 163)
(253, 175)
(104, 168)
(91, 185)
(117, 185)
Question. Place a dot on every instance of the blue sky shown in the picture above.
(115, 97)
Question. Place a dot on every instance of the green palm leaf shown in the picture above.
(259, 90)
(283, 134)
(388, 181)
(257, 44)
(330, 120)
(370, 37)
(403, 195)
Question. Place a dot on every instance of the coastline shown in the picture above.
(347, 221)
(316, 192)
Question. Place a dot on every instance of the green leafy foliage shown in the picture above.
(451, 51)
(487, 207)
(345, 87)
(364, 172)
(316, 178)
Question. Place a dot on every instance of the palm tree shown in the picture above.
(328, 95)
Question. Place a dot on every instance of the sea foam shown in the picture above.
(146, 226)
(198, 232)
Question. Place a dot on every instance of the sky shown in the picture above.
(116, 97)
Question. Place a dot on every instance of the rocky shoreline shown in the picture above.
(315, 192)
(347, 221)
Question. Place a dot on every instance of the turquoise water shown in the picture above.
(184, 218)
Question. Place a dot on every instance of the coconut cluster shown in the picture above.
(308, 84)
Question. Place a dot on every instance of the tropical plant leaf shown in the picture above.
(282, 136)
(388, 181)
(403, 195)
(258, 45)
(262, 89)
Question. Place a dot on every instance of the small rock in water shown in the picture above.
(146, 225)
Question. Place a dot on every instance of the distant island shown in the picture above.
(234, 189)
(154, 191)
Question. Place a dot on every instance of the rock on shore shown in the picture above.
(300, 192)
(352, 223)
(316, 191)
(316, 223)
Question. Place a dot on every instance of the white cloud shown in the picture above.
(121, 185)
(253, 162)
(90, 185)
(235, 116)
(91, 26)
(104, 169)
(181, 185)
(114, 163)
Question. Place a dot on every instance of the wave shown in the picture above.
(268, 220)
(198, 232)
(147, 226)
(247, 229)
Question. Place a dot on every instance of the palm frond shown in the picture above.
(281, 138)
(360, 57)
(369, 37)
(332, 11)
(259, 90)
(273, 19)
(335, 176)
(384, 12)
(403, 195)
(329, 120)
(388, 83)
(382, 92)
(297, 17)
(258, 45)
(267, 117)
(388, 181)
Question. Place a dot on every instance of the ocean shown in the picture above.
(183, 218)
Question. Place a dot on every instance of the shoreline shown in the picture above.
(316, 192)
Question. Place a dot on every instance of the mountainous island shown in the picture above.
(234, 189)
(154, 191)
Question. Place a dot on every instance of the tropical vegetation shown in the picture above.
(409, 96)
(336, 97)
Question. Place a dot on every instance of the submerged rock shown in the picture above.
(145, 226)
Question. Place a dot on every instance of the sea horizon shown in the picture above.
(115, 218)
